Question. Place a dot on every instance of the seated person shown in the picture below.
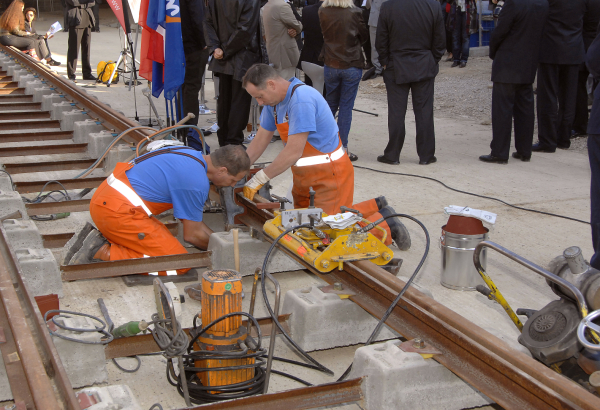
(30, 15)
(12, 33)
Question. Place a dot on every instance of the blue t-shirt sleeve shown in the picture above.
(267, 119)
(188, 204)
(302, 117)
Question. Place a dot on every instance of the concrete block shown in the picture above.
(322, 320)
(83, 129)
(40, 271)
(85, 363)
(59, 107)
(118, 397)
(479, 51)
(118, 153)
(6, 64)
(5, 182)
(39, 92)
(68, 119)
(252, 254)
(31, 85)
(23, 79)
(50, 99)
(400, 380)
(98, 142)
(23, 234)
(10, 201)
(15, 71)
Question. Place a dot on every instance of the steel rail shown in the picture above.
(312, 397)
(509, 377)
(94, 107)
(133, 266)
(34, 347)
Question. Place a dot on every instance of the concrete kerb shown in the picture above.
(23, 79)
(39, 92)
(83, 129)
(30, 86)
(401, 380)
(5, 182)
(119, 153)
(68, 119)
(323, 320)
(23, 234)
(58, 108)
(10, 202)
(17, 73)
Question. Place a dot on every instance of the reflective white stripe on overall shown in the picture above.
(321, 159)
(127, 192)
(169, 272)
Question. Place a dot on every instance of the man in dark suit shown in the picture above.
(514, 47)
(593, 130)
(411, 40)
(590, 26)
(313, 38)
(561, 52)
(80, 19)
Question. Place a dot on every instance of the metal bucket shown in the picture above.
(458, 270)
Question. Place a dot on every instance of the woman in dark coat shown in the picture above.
(12, 33)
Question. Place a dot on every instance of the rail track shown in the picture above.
(32, 144)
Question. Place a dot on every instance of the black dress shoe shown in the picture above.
(523, 158)
(429, 161)
(463, 64)
(89, 77)
(492, 159)
(369, 74)
(455, 64)
(540, 148)
(383, 159)
(72, 78)
(564, 146)
(575, 134)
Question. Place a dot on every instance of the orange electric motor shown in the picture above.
(221, 295)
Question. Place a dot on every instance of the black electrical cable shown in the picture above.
(272, 314)
(205, 394)
(156, 406)
(289, 376)
(172, 344)
(109, 337)
(473, 194)
(139, 364)
(390, 309)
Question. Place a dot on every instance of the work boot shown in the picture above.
(381, 202)
(89, 246)
(400, 234)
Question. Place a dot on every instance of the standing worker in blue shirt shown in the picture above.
(313, 150)
(124, 205)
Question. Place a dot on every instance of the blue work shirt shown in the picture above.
(173, 179)
(307, 111)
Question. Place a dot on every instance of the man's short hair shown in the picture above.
(232, 157)
(258, 74)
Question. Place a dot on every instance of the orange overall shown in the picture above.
(128, 227)
(331, 175)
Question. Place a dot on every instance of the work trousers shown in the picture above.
(374, 53)
(594, 155)
(27, 43)
(77, 37)
(422, 99)
(508, 101)
(580, 121)
(556, 96)
(195, 65)
(233, 109)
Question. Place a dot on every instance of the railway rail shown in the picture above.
(36, 374)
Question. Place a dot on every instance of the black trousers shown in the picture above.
(422, 99)
(195, 64)
(233, 109)
(581, 102)
(594, 155)
(83, 37)
(512, 101)
(25, 43)
(556, 96)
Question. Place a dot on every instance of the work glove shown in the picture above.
(256, 183)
